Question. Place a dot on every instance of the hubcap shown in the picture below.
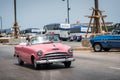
(97, 47)
(35, 64)
(19, 60)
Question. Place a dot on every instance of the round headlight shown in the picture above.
(70, 50)
(39, 53)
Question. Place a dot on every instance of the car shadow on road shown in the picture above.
(44, 66)
(115, 50)
(112, 50)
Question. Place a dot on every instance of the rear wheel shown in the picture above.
(20, 62)
(67, 64)
(97, 47)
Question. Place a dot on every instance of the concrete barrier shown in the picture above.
(86, 42)
(14, 41)
(4, 39)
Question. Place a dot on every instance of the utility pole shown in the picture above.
(15, 26)
(96, 19)
(68, 11)
(1, 23)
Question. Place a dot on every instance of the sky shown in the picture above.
(37, 13)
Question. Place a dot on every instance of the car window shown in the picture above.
(54, 38)
(44, 39)
(116, 32)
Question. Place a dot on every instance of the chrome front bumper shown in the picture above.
(54, 60)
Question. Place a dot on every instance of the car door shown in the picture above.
(115, 41)
(25, 53)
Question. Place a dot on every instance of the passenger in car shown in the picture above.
(28, 38)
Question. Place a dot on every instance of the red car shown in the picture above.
(44, 50)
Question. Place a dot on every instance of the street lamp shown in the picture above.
(1, 24)
(68, 9)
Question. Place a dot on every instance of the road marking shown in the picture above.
(117, 68)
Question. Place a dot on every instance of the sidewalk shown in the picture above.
(77, 45)
(82, 48)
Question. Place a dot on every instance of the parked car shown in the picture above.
(106, 42)
(44, 50)
(75, 38)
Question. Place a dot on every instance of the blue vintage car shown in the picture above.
(106, 42)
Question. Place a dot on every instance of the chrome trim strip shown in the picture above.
(107, 41)
(54, 60)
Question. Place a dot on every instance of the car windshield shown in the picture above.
(116, 32)
(44, 39)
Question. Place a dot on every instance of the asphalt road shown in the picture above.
(88, 66)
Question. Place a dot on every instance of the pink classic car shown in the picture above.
(44, 50)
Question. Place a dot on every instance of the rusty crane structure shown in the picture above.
(97, 22)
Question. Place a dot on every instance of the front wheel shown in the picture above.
(97, 47)
(36, 66)
(67, 64)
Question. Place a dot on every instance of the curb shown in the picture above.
(82, 48)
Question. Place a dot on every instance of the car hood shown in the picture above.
(49, 47)
(105, 37)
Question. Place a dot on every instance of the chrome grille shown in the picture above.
(56, 55)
